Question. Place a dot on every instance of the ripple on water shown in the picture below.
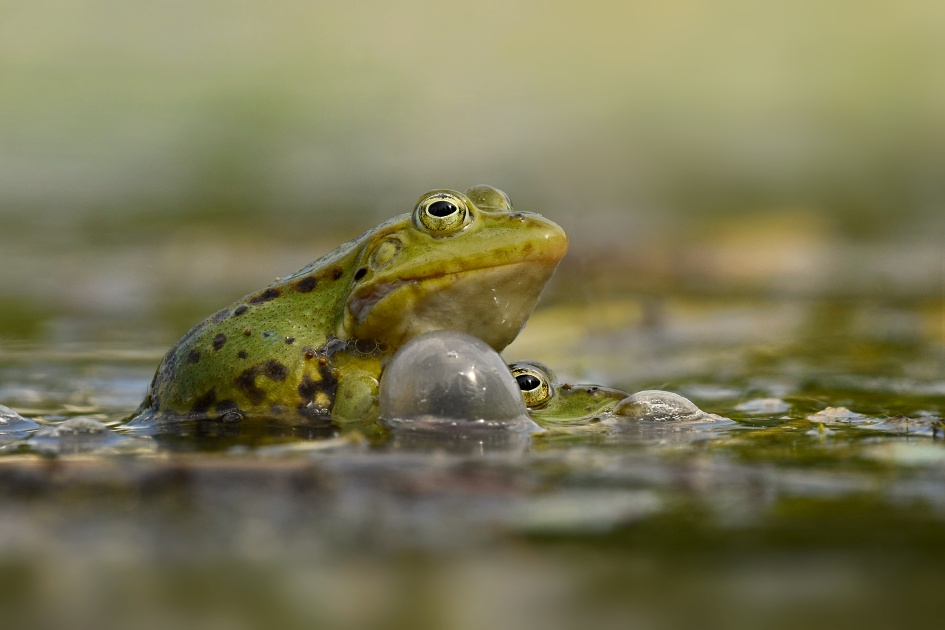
(83, 435)
(763, 406)
(12, 422)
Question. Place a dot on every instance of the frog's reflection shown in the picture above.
(484, 442)
(205, 435)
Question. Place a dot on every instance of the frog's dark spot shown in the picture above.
(318, 395)
(194, 356)
(336, 272)
(290, 340)
(265, 296)
(306, 284)
(308, 388)
(267, 334)
(327, 374)
(242, 308)
(241, 354)
(218, 341)
(275, 370)
(247, 331)
(360, 273)
(193, 332)
(203, 404)
(246, 381)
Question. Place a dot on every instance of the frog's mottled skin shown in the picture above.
(313, 344)
(554, 404)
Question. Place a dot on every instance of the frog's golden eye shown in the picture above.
(535, 385)
(441, 213)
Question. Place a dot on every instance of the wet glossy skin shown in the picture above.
(313, 344)
(552, 403)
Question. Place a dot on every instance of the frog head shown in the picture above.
(460, 261)
(552, 403)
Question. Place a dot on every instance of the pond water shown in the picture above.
(824, 499)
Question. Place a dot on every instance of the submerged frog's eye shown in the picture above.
(441, 213)
(535, 385)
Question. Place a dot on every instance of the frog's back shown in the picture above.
(268, 354)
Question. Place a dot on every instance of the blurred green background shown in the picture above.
(173, 155)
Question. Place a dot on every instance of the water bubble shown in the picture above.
(447, 380)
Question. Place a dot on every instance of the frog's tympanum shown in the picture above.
(314, 343)
(551, 403)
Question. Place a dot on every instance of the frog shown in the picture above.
(581, 409)
(553, 404)
(312, 345)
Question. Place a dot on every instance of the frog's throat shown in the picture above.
(492, 303)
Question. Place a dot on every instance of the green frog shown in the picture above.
(313, 344)
(580, 409)
(553, 404)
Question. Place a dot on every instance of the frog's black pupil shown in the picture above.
(527, 382)
(441, 209)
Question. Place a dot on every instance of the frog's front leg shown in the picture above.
(356, 395)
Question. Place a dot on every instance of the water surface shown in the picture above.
(824, 495)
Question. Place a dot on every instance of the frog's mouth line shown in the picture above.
(360, 306)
